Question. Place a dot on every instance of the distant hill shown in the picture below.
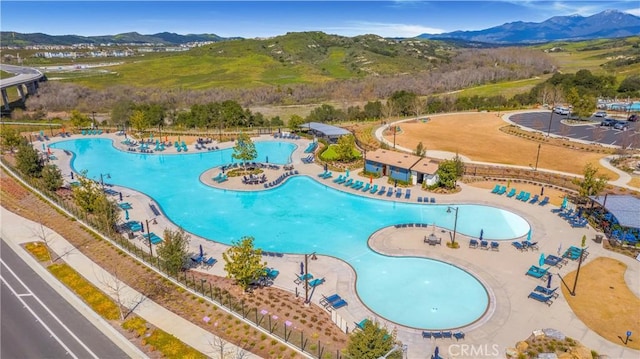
(9, 38)
(607, 24)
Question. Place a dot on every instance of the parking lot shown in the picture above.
(589, 131)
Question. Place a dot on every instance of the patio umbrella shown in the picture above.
(201, 251)
(126, 214)
(564, 202)
(347, 173)
(529, 236)
(481, 233)
(120, 196)
(436, 353)
(141, 227)
(43, 148)
(325, 167)
(549, 281)
(370, 179)
(267, 159)
(541, 260)
(301, 268)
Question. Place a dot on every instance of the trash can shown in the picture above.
(131, 236)
(598, 238)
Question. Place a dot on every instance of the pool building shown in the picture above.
(402, 166)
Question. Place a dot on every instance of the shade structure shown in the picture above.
(541, 260)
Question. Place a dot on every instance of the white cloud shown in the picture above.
(635, 11)
(384, 29)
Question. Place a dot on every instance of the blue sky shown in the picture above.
(402, 18)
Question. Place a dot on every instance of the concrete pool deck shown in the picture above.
(511, 316)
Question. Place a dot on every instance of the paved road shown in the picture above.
(23, 74)
(588, 132)
(36, 322)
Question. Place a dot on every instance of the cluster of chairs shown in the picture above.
(152, 237)
(254, 179)
(286, 136)
(525, 245)
(110, 192)
(426, 200)
(486, 245)
(64, 134)
(630, 237)
(154, 209)
(442, 335)
(133, 226)
(91, 132)
(272, 254)
(325, 174)
(125, 205)
(417, 225)
(333, 302)
(129, 142)
(144, 148)
(41, 138)
(574, 218)
(203, 147)
(544, 295)
(202, 260)
(523, 196)
(308, 159)
(181, 147)
(432, 240)
(221, 177)
(312, 147)
(574, 252)
(281, 178)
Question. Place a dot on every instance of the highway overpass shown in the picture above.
(26, 80)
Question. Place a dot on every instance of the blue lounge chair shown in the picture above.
(366, 188)
(398, 192)
(473, 243)
(552, 260)
(437, 335)
(426, 334)
(520, 195)
(210, 261)
(541, 298)
(420, 199)
(537, 272)
(316, 282)
(382, 191)
(511, 193)
(374, 190)
(272, 273)
(362, 323)
(433, 200)
(458, 335)
(519, 246)
(496, 189)
(408, 194)
(337, 180)
(534, 199)
(339, 304)
(447, 334)
(484, 245)
(197, 260)
(546, 291)
(125, 205)
(349, 182)
(502, 190)
(390, 192)
(330, 299)
(495, 246)
(544, 201)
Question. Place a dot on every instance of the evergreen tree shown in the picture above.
(372, 342)
(591, 184)
(245, 149)
(28, 161)
(420, 150)
(346, 148)
(174, 249)
(51, 177)
(243, 262)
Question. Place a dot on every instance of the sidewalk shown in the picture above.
(22, 230)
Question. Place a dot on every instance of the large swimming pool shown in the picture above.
(305, 216)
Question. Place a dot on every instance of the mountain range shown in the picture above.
(607, 24)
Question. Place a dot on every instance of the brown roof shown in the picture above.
(392, 158)
(426, 165)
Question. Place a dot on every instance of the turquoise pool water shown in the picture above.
(304, 216)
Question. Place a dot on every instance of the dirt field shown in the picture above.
(482, 140)
(604, 302)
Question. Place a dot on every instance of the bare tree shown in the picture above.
(110, 278)
(45, 237)
(222, 349)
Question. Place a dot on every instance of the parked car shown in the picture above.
(619, 125)
(608, 122)
(633, 118)
(562, 111)
(600, 114)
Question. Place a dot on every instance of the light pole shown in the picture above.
(395, 129)
(306, 276)
(537, 156)
(455, 223)
(149, 235)
(550, 118)
(94, 118)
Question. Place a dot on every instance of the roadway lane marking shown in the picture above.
(46, 327)
(93, 355)
(23, 295)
